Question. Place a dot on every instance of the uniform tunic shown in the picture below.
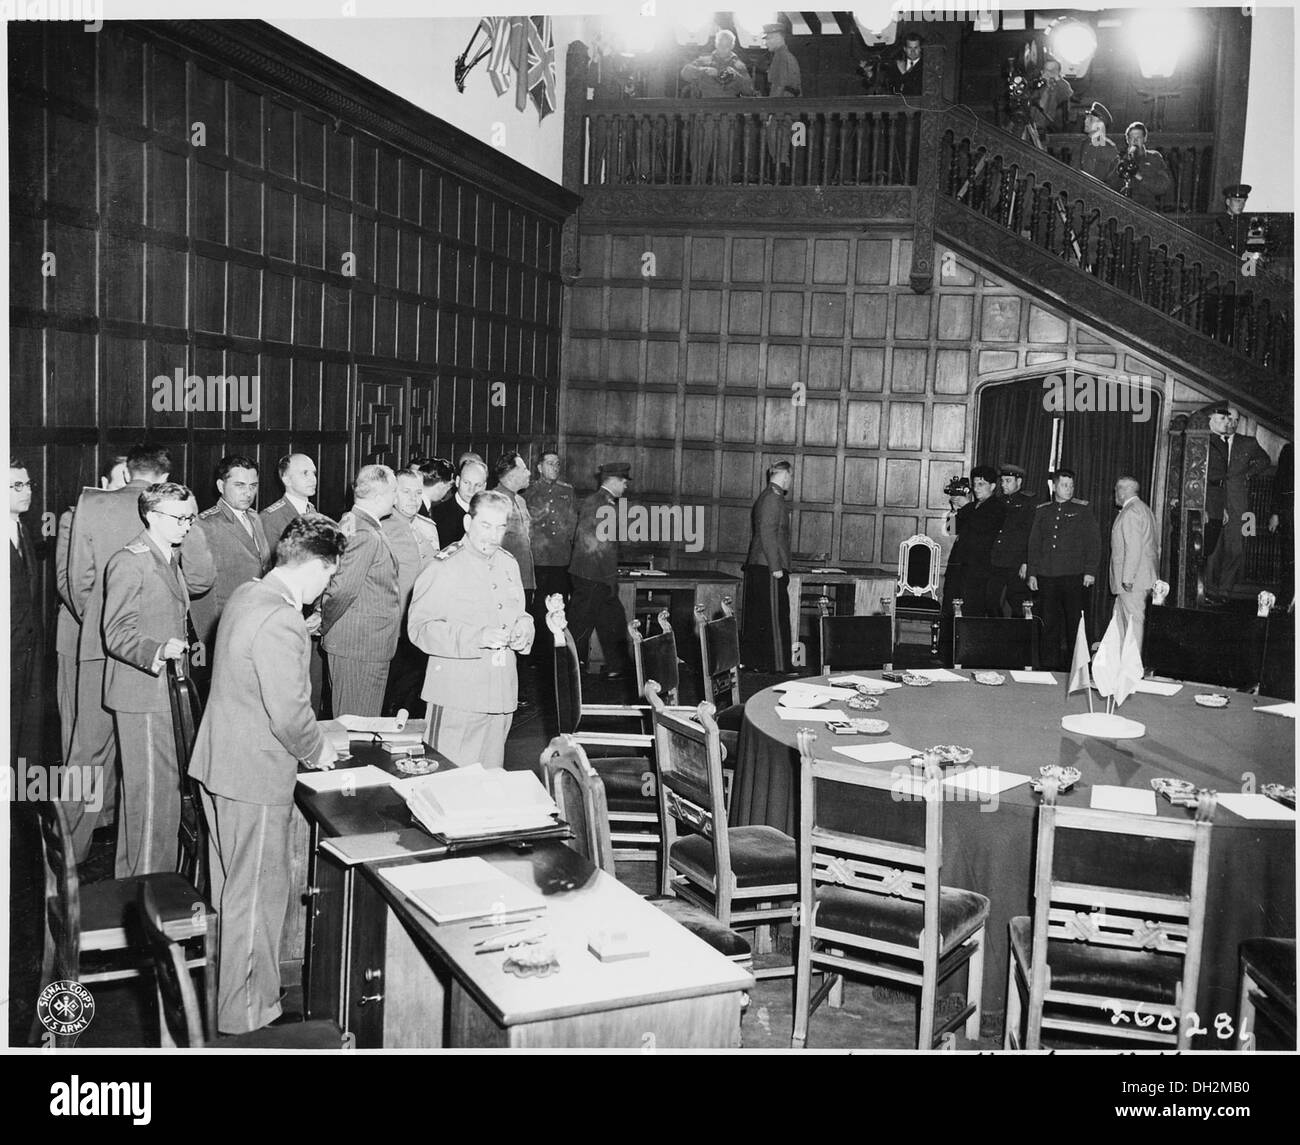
(1064, 546)
(1010, 552)
(552, 505)
(765, 614)
(595, 605)
(472, 691)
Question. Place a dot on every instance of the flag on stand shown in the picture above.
(1130, 668)
(1106, 664)
(1079, 664)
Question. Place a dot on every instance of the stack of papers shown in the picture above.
(455, 889)
(474, 801)
(344, 778)
(385, 729)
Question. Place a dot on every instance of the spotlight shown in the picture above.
(1160, 39)
(1073, 43)
(749, 26)
(876, 21)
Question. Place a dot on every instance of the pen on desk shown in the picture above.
(502, 942)
(503, 934)
(508, 919)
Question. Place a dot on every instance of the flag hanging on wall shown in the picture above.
(535, 64)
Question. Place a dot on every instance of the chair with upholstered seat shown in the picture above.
(1104, 955)
(746, 877)
(179, 1020)
(870, 860)
(1267, 990)
(1221, 649)
(994, 641)
(916, 593)
(720, 667)
(580, 795)
(95, 929)
(854, 641)
(629, 777)
(655, 658)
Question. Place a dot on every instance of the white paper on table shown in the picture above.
(852, 680)
(1255, 806)
(344, 777)
(940, 675)
(1023, 677)
(878, 752)
(810, 697)
(1287, 710)
(1158, 687)
(986, 780)
(810, 715)
(1108, 797)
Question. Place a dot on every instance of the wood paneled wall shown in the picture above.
(220, 200)
(745, 347)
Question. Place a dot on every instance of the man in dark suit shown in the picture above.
(593, 569)
(298, 476)
(26, 632)
(260, 687)
(362, 609)
(449, 515)
(439, 477)
(765, 627)
(237, 540)
(146, 602)
(103, 522)
(1234, 459)
(901, 74)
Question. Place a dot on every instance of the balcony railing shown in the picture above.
(1139, 252)
(752, 143)
(1189, 157)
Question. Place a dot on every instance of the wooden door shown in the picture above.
(395, 421)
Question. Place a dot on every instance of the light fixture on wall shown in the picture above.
(877, 21)
(1072, 43)
(1161, 38)
(748, 23)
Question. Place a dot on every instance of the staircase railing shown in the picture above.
(1142, 253)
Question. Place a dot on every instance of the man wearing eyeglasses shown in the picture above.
(146, 602)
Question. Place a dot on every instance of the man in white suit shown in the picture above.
(1132, 557)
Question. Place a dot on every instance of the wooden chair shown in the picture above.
(655, 658)
(994, 642)
(187, 713)
(916, 591)
(1267, 990)
(720, 668)
(1220, 649)
(854, 641)
(580, 795)
(1112, 949)
(87, 925)
(629, 778)
(746, 877)
(179, 1021)
(873, 904)
(1277, 673)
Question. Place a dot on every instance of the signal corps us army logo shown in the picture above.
(65, 1008)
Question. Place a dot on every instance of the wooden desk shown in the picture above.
(684, 588)
(393, 978)
(867, 587)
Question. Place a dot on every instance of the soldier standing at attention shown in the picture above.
(594, 570)
(553, 507)
(1011, 549)
(1064, 555)
(765, 633)
(783, 81)
(468, 614)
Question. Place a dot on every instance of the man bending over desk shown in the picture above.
(257, 728)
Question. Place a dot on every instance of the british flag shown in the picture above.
(535, 63)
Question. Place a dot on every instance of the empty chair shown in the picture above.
(745, 877)
(720, 666)
(629, 778)
(854, 641)
(580, 796)
(993, 642)
(1218, 648)
(870, 855)
(1103, 955)
(916, 592)
(95, 930)
(1277, 676)
(179, 1020)
(655, 658)
(1267, 991)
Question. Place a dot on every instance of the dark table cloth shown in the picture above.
(1017, 727)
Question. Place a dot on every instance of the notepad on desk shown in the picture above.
(1027, 677)
(878, 752)
(344, 778)
(456, 889)
(410, 842)
(1134, 800)
(810, 715)
(1158, 687)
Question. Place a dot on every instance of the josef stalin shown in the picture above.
(468, 613)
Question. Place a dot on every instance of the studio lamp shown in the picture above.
(1160, 39)
(1073, 43)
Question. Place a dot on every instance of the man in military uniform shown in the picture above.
(783, 81)
(298, 476)
(146, 601)
(1011, 549)
(1064, 555)
(512, 479)
(468, 614)
(765, 628)
(414, 541)
(594, 569)
(552, 505)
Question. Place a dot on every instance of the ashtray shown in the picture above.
(943, 754)
(915, 681)
(415, 765)
(535, 961)
(1178, 791)
(1283, 793)
(868, 727)
(862, 703)
(870, 689)
(1211, 700)
(991, 678)
(1066, 777)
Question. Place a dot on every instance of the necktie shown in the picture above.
(1227, 444)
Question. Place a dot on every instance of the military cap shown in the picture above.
(1099, 110)
(773, 28)
(614, 469)
(1012, 471)
(1237, 191)
(1137, 123)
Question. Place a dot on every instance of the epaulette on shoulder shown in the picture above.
(450, 551)
(274, 505)
(211, 511)
(1077, 501)
(137, 547)
(1043, 505)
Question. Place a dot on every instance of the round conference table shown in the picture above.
(989, 846)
